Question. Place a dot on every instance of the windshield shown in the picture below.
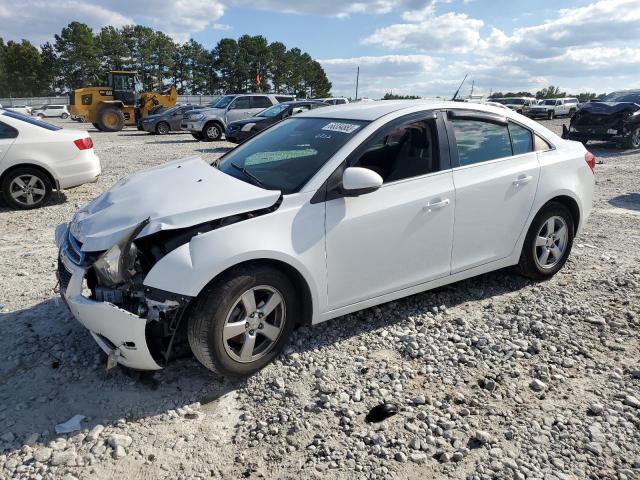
(224, 101)
(622, 97)
(169, 111)
(31, 120)
(549, 102)
(273, 111)
(509, 101)
(287, 155)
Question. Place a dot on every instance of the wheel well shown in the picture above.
(51, 178)
(217, 122)
(302, 288)
(572, 205)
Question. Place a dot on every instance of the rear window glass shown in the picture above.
(480, 141)
(521, 139)
(31, 120)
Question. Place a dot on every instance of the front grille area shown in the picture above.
(64, 276)
(74, 249)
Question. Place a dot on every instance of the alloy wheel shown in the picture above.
(27, 190)
(551, 242)
(254, 324)
(213, 132)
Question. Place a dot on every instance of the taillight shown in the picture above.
(84, 143)
(590, 158)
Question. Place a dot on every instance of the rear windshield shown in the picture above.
(622, 97)
(31, 120)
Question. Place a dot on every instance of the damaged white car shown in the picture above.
(323, 214)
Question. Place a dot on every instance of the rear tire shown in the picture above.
(548, 242)
(64, 116)
(228, 331)
(212, 132)
(26, 188)
(162, 128)
(110, 119)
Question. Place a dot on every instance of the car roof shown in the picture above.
(370, 111)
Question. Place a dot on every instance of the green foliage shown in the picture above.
(79, 57)
(393, 96)
(550, 92)
(510, 94)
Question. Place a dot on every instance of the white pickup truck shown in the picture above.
(554, 107)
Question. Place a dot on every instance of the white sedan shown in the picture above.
(36, 157)
(323, 214)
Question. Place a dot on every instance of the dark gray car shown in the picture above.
(166, 121)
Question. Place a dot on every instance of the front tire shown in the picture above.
(548, 242)
(64, 116)
(26, 188)
(633, 139)
(110, 119)
(162, 128)
(242, 321)
(551, 115)
(212, 132)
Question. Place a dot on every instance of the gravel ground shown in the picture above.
(493, 377)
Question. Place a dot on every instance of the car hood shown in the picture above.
(178, 194)
(250, 120)
(609, 108)
(207, 111)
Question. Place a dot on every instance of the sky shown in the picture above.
(418, 47)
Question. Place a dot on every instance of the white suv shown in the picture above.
(51, 111)
(325, 213)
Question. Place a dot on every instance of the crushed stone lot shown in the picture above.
(494, 377)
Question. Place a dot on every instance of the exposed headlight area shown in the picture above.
(247, 127)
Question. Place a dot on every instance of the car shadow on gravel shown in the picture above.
(629, 201)
(171, 142)
(56, 198)
(51, 369)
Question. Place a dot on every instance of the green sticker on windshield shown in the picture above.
(341, 127)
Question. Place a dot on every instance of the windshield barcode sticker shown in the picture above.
(341, 127)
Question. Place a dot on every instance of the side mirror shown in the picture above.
(358, 181)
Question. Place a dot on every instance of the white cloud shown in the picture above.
(378, 74)
(452, 32)
(38, 20)
(336, 8)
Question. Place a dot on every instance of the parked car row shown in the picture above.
(547, 108)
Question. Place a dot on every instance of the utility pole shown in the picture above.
(357, 82)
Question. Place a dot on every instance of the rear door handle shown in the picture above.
(522, 180)
(436, 205)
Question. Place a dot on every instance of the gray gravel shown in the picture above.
(494, 377)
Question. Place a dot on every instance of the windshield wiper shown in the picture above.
(255, 179)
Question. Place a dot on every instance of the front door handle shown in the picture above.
(438, 204)
(522, 180)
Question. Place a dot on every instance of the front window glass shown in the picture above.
(287, 155)
(273, 111)
(241, 103)
(224, 101)
(480, 141)
(407, 151)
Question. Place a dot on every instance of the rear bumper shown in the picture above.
(85, 168)
(116, 331)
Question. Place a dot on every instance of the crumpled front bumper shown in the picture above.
(118, 332)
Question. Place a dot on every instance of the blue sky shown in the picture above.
(421, 47)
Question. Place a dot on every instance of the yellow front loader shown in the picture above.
(121, 102)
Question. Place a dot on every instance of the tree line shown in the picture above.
(551, 91)
(81, 57)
